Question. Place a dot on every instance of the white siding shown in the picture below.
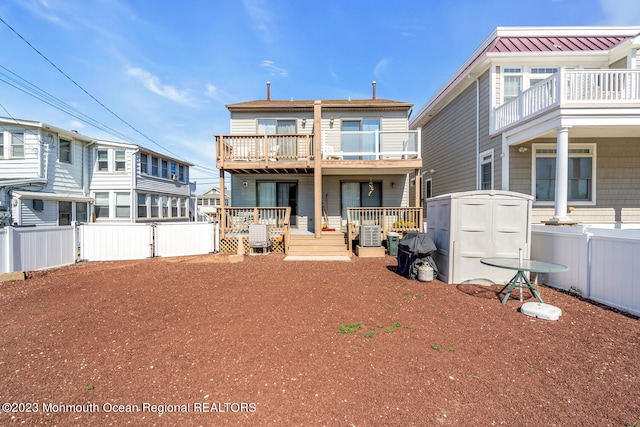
(27, 167)
(247, 123)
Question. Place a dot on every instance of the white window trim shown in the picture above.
(592, 154)
(97, 162)
(482, 162)
(504, 73)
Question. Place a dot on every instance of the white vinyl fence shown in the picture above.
(36, 248)
(603, 262)
(39, 248)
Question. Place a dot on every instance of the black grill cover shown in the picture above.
(415, 249)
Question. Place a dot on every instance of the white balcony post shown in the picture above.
(562, 176)
(562, 85)
(377, 144)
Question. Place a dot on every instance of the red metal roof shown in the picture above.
(554, 44)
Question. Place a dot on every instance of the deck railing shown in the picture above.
(264, 148)
(371, 145)
(611, 86)
(396, 219)
(237, 220)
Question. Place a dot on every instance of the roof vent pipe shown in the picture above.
(373, 85)
(268, 91)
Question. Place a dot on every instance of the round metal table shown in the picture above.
(521, 266)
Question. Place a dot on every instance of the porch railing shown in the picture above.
(237, 220)
(371, 145)
(258, 148)
(570, 86)
(395, 219)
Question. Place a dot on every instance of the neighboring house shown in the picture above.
(209, 201)
(318, 159)
(132, 184)
(44, 174)
(552, 112)
(50, 176)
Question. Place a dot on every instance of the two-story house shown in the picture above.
(552, 112)
(133, 184)
(50, 176)
(320, 168)
(44, 174)
(209, 201)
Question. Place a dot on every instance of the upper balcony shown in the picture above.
(611, 88)
(339, 150)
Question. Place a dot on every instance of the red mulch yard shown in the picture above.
(202, 341)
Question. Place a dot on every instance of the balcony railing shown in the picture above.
(370, 145)
(570, 87)
(336, 145)
(264, 148)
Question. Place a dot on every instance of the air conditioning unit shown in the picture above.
(174, 177)
(370, 235)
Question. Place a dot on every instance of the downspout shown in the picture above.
(134, 185)
(317, 169)
(478, 135)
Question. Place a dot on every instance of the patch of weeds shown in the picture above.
(408, 327)
(380, 326)
(390, 330)
(418, 295)
(89, 387)
(388, 307)
(396, 325)
(406, 293)
(370, 334)
(436, 347)
(372, 328)
(349, 329)
(451, 349)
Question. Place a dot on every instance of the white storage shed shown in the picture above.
(472, 225)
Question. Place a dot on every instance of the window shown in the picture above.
(181, 173)
(154, 166)
(123, 205)
(581, 180)
(360, 194)
(363, 141)
(276, 127)
(102, 205)
(64, 213)
(427, 191)
(65, 151)
(155, 204)
(174, 207)
(81, 211)
(38, 205)
(486, 170)
(121, 163)
(17, 145)
(103, 160)
(1, 145)
(272, 194)
(512, 84)
(539, 74)
(165, 169)
(164, 200)
(143, 163)
(142, 205)
(185, 209)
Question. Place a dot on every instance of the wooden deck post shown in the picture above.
(317, 169)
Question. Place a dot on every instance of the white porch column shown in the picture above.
(562, 176)
(504, 164)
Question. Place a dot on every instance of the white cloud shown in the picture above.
(381, 68)
(153, 84)
(620, 12)
(261, 17)
(75, 124)
(216, 94)
(273, 69)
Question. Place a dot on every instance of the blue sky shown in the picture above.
(163, 70)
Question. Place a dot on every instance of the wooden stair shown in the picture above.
(331, 244)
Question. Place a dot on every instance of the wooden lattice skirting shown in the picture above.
(230, 245)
